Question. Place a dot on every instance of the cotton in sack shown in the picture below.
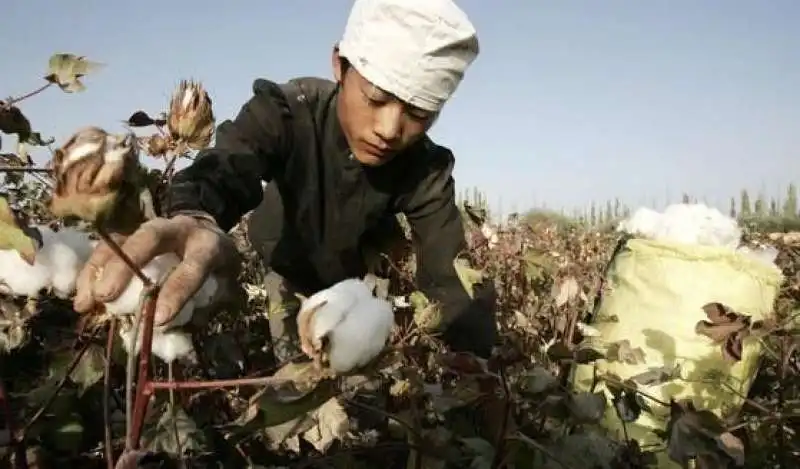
(656, 288)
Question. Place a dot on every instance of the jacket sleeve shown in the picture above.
(225, 179)
(430, 207)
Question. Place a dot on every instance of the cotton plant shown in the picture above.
(344, 327)
(169, 342)
(113, 162)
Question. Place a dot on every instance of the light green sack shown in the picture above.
(657, 290)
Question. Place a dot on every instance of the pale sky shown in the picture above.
(568, 102)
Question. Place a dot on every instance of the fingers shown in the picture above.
(84, 291)
(151, 239)
(183, 282)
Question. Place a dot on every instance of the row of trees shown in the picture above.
(772, 214)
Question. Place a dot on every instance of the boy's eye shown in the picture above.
(378, 97)
(418, 114)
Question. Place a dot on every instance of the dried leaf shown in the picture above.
(726, 327)
(13, 336)
(162, 437)
(13, 121)
(699, 434)
(332, 424)
(566, 291)
(627, 405)
(587, 407)
(142, 119)
(655, 376)
(559, 351)
(288, 400)
(14, 237)
(623, 352)
(462, 363)
(66, 70)
(476, 215)
(586, 355)
(537, 380)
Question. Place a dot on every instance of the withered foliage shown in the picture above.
(418, 405)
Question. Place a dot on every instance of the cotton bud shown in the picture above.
(157, 146)
(89, 170)
(191, 118)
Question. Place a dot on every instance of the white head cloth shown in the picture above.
(417, 50)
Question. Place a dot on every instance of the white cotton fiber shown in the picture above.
(57, 264)
(693, 224)
(355, 322)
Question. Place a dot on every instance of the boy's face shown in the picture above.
(376, 123)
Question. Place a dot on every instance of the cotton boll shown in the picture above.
(21, 278)
(167, 345)
(156, 270)
(172, 345)
(56, 265)
(66, 250)
(339, 300)
(356, 323)
(361, 336)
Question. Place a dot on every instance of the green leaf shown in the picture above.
(12, 236)
(481, 450)
(66, 433)
(65, 70)
(90, 369)
(36, 139)
(468, 275)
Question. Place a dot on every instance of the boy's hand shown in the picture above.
(202, 246)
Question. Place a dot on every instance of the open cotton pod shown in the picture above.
(168, 345)
(90, 170)
(157, 270)
(344, 325)
(56, 264)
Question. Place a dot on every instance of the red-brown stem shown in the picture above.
(128, 261)
(153, 386)
(143, 376)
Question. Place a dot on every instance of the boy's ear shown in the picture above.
(336, 63)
